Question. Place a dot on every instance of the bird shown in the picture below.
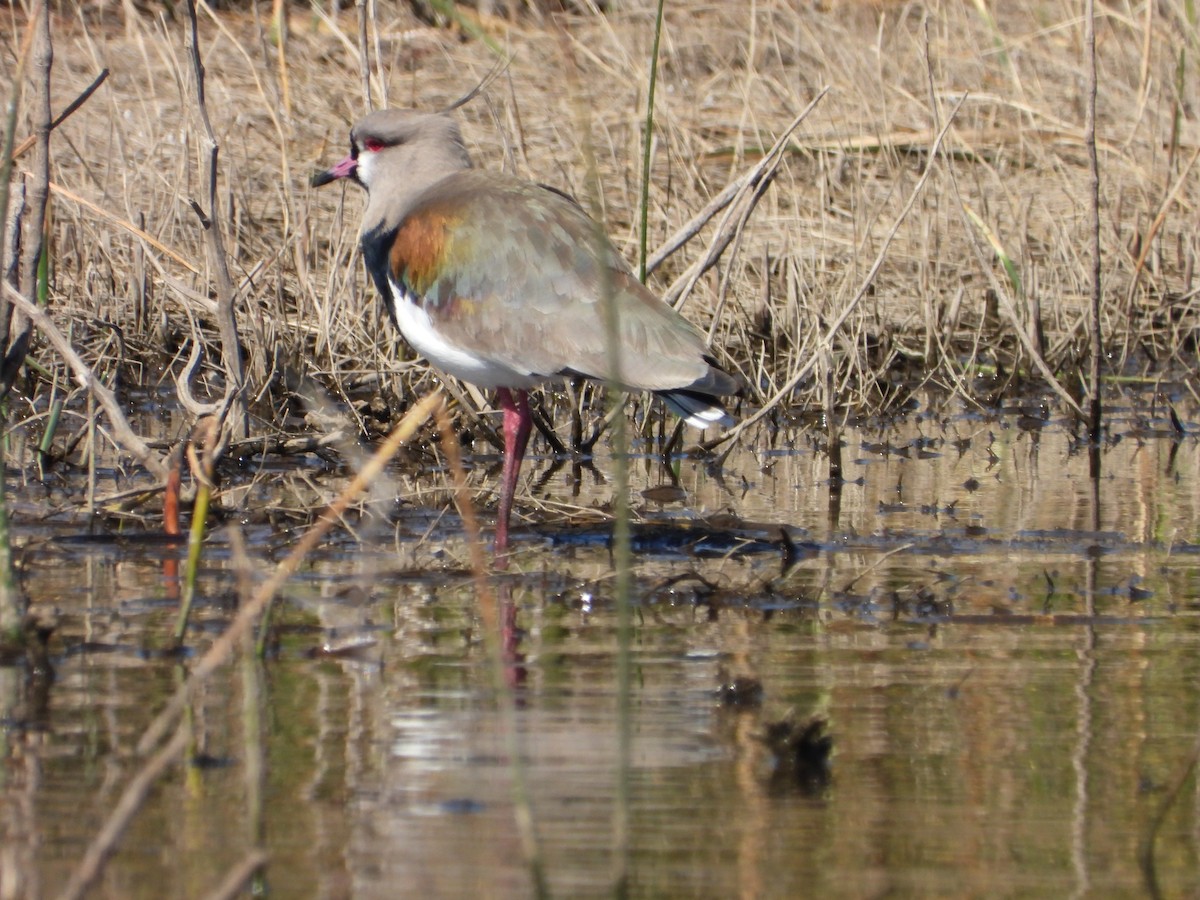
(502, 282)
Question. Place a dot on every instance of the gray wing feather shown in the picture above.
(523, 282)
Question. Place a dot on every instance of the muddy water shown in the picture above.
(1004, 652)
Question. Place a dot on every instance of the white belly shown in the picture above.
(474, 367)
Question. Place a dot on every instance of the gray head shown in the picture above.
(396, 154)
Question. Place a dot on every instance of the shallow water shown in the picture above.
(1004, 651)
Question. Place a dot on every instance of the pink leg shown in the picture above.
(517, 423)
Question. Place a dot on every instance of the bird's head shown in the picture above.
(400, 146)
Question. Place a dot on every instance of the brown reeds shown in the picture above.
(134, 157)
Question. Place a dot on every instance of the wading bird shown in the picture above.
(503, 283)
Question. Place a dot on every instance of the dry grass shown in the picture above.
(732, 76)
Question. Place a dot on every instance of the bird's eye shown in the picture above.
(374, 145)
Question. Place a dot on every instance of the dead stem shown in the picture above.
(1097, 342)
(231, 345)
(741, 205)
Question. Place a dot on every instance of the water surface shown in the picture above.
(1004, 652)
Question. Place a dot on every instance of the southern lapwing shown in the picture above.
(502, 282)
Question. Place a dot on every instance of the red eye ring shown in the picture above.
(372, 145)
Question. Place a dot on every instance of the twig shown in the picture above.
(736, 231)
(765, 169)
(484, 83)
(65, 114)
(17, 332)
(124, 435)
(12, 601)
(6, 165)
(692, 227)
(183, 381)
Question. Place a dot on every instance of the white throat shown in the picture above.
(365, 168)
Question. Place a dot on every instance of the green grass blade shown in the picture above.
(647, 144)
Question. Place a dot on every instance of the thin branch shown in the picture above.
(730, 226)
(65, 114)
(124, 435)
(37, 192)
